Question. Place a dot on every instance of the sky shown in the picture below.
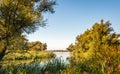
(72, 18)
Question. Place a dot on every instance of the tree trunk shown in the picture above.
(2, 53)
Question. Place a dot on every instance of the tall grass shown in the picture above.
(54, 66)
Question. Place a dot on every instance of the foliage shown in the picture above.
(37, 45)
(99, 49)
(19, 17)
(53, 66)
(18, 43)
(26, 55)
(76, 68)
(70, 47)
(21, 43)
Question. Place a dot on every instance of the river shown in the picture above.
(63, 55)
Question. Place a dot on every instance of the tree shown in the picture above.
(37, 45)
(70, 47)
(21, 16)
(18, 43)
(98, 49)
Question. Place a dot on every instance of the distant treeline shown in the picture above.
(20, 43)
(58, 50)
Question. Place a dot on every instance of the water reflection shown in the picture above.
(62, 55)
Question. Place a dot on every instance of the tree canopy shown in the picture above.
(98, 48)
(21, 16)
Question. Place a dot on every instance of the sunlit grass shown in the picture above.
(26, 57)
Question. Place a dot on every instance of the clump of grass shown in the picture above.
(54, 66)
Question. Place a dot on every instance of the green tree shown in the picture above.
(37, 45)
(18, 43)
(70, 47)
(98, 49)
(21, 16)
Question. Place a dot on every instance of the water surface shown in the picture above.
(63, 55)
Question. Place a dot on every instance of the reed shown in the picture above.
(53, 66)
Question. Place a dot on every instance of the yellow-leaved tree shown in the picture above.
(98, 50)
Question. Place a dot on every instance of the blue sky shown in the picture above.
(72, 18)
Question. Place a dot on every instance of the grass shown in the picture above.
(54, 66)
(28, 55)
(21, 57)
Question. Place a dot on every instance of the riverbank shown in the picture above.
(53, 66)
(21, 57)
(26, 55)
